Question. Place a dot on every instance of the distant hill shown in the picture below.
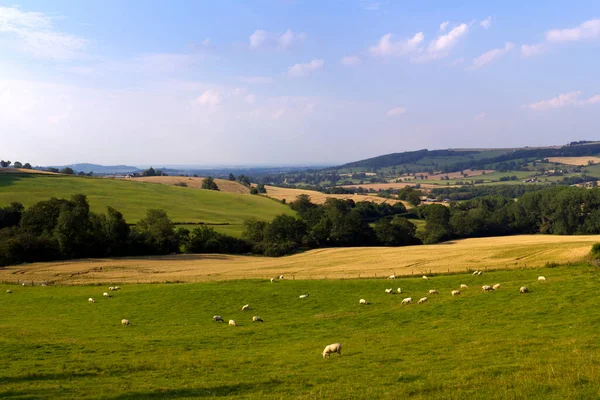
(100, 169)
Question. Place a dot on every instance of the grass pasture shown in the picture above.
(134, 198)
(55, 345)
(510, 252)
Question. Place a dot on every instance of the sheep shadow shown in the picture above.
(215, 391)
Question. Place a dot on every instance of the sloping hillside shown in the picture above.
(194, 182)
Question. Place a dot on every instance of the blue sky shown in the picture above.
(291, 82)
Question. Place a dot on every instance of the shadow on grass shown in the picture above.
(44, 377)
(216, 391)
(8, 179)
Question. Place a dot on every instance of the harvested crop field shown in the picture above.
(24, 171)
(575, 160)
(395, 185)
(470, 254)
(319, 198)
(194, 182)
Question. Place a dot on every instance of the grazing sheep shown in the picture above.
(407, 300)
(433, 291)
(422, 300)
(486, 288)
(392, 276)
(399, 290)
(9, 291)
(303, 296)
(91, 300)
(475, 273)
(363, 301)
(332, 348)
(217, 318)
(246, 307)
(425, 277)
(111, 288)
(463, 286)
(232, 323)
(117, 288)
(280, 276)
(389, 291)
(23, 284)
(125, 322)
(105, 294)
(456, 293)
(256, 318)
(496, 286)
(272, 280)
(523, 289)
(541, 279)
(479, 273)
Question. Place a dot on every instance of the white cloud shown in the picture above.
(305, 69)
(350, 60)
(262, 39)
(396, 111)
(374, 5)
(250, 99)
(278, 114)
(387, 47)
(491, 55)
(445, 43)
(34, 33)
(562, 100)
(255, 79)
(206, 42)
(457, 62)
(444, 25)
(210, 99)
(532, 50)
(481, 116)
(594, 99)
(587, 30)
(486, 23)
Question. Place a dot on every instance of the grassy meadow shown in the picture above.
(134, 198)
(480, 345)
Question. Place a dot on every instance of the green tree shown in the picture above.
(395, 231)
(73, 229)
(27, 166)
(116, 232)
(17, 164)
(67, 171)
(41, 218)
(149, 172)
(209, 183)
(231, 177)
(4, 164)
(437, 228)
(157, 232)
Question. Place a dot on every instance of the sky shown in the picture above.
(284, 82)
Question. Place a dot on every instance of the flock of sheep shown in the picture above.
(337, 347)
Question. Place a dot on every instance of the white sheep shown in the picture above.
(125, 322)
(303, 296)
(496, 286)
(425, 277)
(232, 323)
(475, 273)
(105, 294)
(91, 300)
(256, 318)
(524, 289)
(541, 279)
(280, 277)
(456, 293)
(332, 348)
(433, 291)
(407, 300)
(9, 291)
(486, 288)
(117, 288)
(246, 307)
(479, 273)
(422, 300)
(363, 301)
(463, 286)
(389, 291)
(272, 280)
(392, 276)
(111, 288)
(399, 290)
(218, 318)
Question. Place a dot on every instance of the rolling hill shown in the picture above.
(227, 211)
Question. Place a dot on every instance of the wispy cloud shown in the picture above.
(305, 69)
(563, 100)
(350, 60)
(444, 25)
(34, 33)
(263, 39)
(374, 5)
(481, 116)
(531, 50)
(210, 99)
(486, 23)
(441, 46)
(491, 55)
(388, 47)
(587, 30)
(394, 112)
(255, 79)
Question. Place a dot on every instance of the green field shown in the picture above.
(480, 345)
(134, 198)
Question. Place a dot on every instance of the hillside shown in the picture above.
(194, 182)
(526, 251)
(319, 198)
(134, 198)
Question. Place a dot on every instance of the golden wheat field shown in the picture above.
(575, 160)
(459, 256)
(194, 182)
(319, 198)
(24, 171)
